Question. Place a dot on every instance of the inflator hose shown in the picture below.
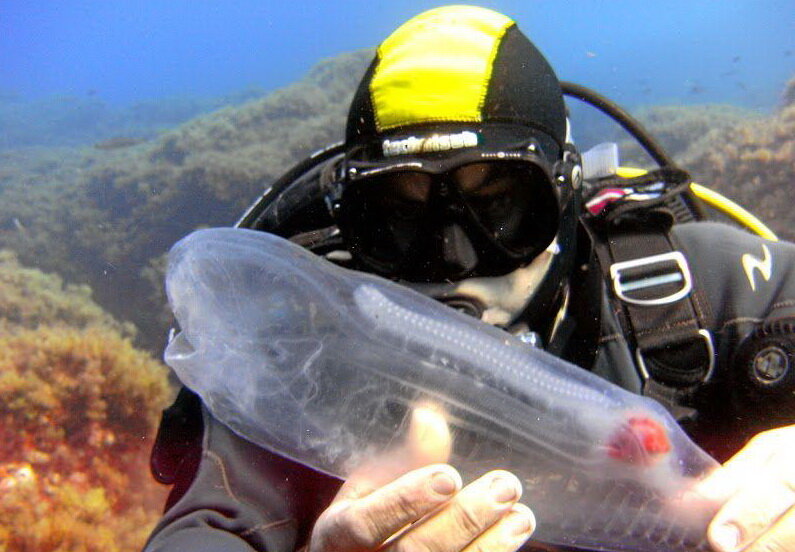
(623, 118)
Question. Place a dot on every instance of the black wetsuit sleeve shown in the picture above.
(231, 495)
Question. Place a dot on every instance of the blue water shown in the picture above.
(123, 52)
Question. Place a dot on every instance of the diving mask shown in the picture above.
(446, 218)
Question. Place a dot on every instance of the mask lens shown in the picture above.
(384, 215)
(514, 202)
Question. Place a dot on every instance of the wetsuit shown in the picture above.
(232, 495)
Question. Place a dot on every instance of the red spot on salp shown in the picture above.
(641, 441)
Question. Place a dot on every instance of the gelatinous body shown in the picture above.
(325, 365)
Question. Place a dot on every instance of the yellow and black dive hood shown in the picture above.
(454, 69)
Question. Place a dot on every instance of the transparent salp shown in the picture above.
(326, 365)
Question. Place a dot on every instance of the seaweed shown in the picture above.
(30, 298)
(79, 408)
(754, 163)
(78, 411)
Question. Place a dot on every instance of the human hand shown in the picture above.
(381, 507)
(758, 488)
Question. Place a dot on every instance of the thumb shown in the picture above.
(426, 441)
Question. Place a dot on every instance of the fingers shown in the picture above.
(424, 510)
(779, 538)
(740, 471)
(758, 487)
(508, 534)
(483, 516)
(381, 506)
(750, 514)
(364, 523)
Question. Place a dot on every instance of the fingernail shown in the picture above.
(504, 489)
(443, 483)
(520, 522)
(725, 536)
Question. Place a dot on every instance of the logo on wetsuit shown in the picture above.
(764, 266)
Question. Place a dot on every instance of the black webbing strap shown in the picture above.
(659, 308)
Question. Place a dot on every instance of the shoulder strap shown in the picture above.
(659, 307)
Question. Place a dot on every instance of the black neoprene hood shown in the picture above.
(521, 89)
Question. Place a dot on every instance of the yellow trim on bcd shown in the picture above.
(719, 202)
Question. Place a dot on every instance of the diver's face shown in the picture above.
(494, 193)
(475, 180)
(480, 218)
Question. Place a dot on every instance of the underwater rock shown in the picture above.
(79, 409)
(681, 129)
(30, 298)
(118, 142)
(788, 97)
(743, 154)
(109, 213)
(753, 163)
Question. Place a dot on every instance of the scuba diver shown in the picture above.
(459, 178)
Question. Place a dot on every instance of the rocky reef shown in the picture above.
(754, 164)
(746, 155)
(105, 217)
(79, 402)
(78, 412)
(76, 120)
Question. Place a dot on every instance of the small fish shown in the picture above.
(590, 54)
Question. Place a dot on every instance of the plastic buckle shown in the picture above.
(708, 345)
(622, 285)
